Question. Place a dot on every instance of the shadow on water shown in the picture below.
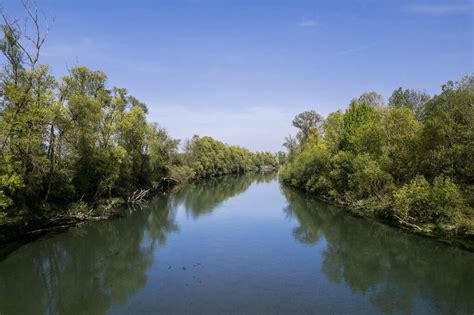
(87, 269)
(396, 270)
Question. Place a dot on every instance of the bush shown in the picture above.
(418, 201)
(368, 179)
(447, 199)
(180, 174)
(341, 168)
(320, 184)
(412, 201)
(78, 208)
(308, 164)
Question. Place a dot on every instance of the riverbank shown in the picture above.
(17, 230)
(221, 245)
(454, 235)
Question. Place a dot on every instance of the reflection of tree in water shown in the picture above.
(160, 215)
(265, 177)
(89, 269)
(204, 196)
(85, 270)
(394, 268)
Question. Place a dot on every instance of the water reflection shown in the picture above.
(203, 197)
(399, 272)
(175, 257)
(89, 269)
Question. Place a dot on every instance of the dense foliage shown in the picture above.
(411, 161)
(68, 143)
(205, 157)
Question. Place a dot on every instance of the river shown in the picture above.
(236, 245)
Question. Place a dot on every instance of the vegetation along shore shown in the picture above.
(410, 162)
(75, 149)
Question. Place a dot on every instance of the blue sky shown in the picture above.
(240, 70)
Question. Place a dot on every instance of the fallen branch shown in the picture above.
(416, 227)
(57, 227)
(138, 197)
(69, 221)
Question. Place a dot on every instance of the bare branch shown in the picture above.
(29, 46)
(36, 40)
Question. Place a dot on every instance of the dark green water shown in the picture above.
(236, 245)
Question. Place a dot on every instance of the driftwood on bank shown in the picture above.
(138, 198)
(69, 220)
(408, 224)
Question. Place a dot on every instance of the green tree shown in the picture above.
(447, 139)
(307, 122)
(411, 161)
(372, 99)
(403, 136)
(412, 99)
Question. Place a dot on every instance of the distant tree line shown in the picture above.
(411, 161)
(68, 143)
(205, 157)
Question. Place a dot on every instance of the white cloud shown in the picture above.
(259, 128)
(87, 51)
(350, 51)
(83, 46)
(308, 23)
(151, 69)
(440, 9)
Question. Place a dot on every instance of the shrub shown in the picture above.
(311, 162)
(418, 201)
(78, 208)
(412, 201)
(368, 179)
(320, 184)
(341, 168)
(446, 198)
(181, 174)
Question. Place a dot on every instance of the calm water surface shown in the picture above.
(239, 244)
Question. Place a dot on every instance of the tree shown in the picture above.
(76, 144)
(291, 144)
(412, 99)
(333, 129)
(403, 135)
(162, 151)
(447, 139)
(26, 104)
(84, 96)
(362, 129)
(282, 157)
(307, 122)
(411, 161)
(371, 99)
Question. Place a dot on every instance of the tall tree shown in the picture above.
(412, 99)
(307, 122)
(372, 99)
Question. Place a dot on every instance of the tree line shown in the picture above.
(410, 161)
(67, 143)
